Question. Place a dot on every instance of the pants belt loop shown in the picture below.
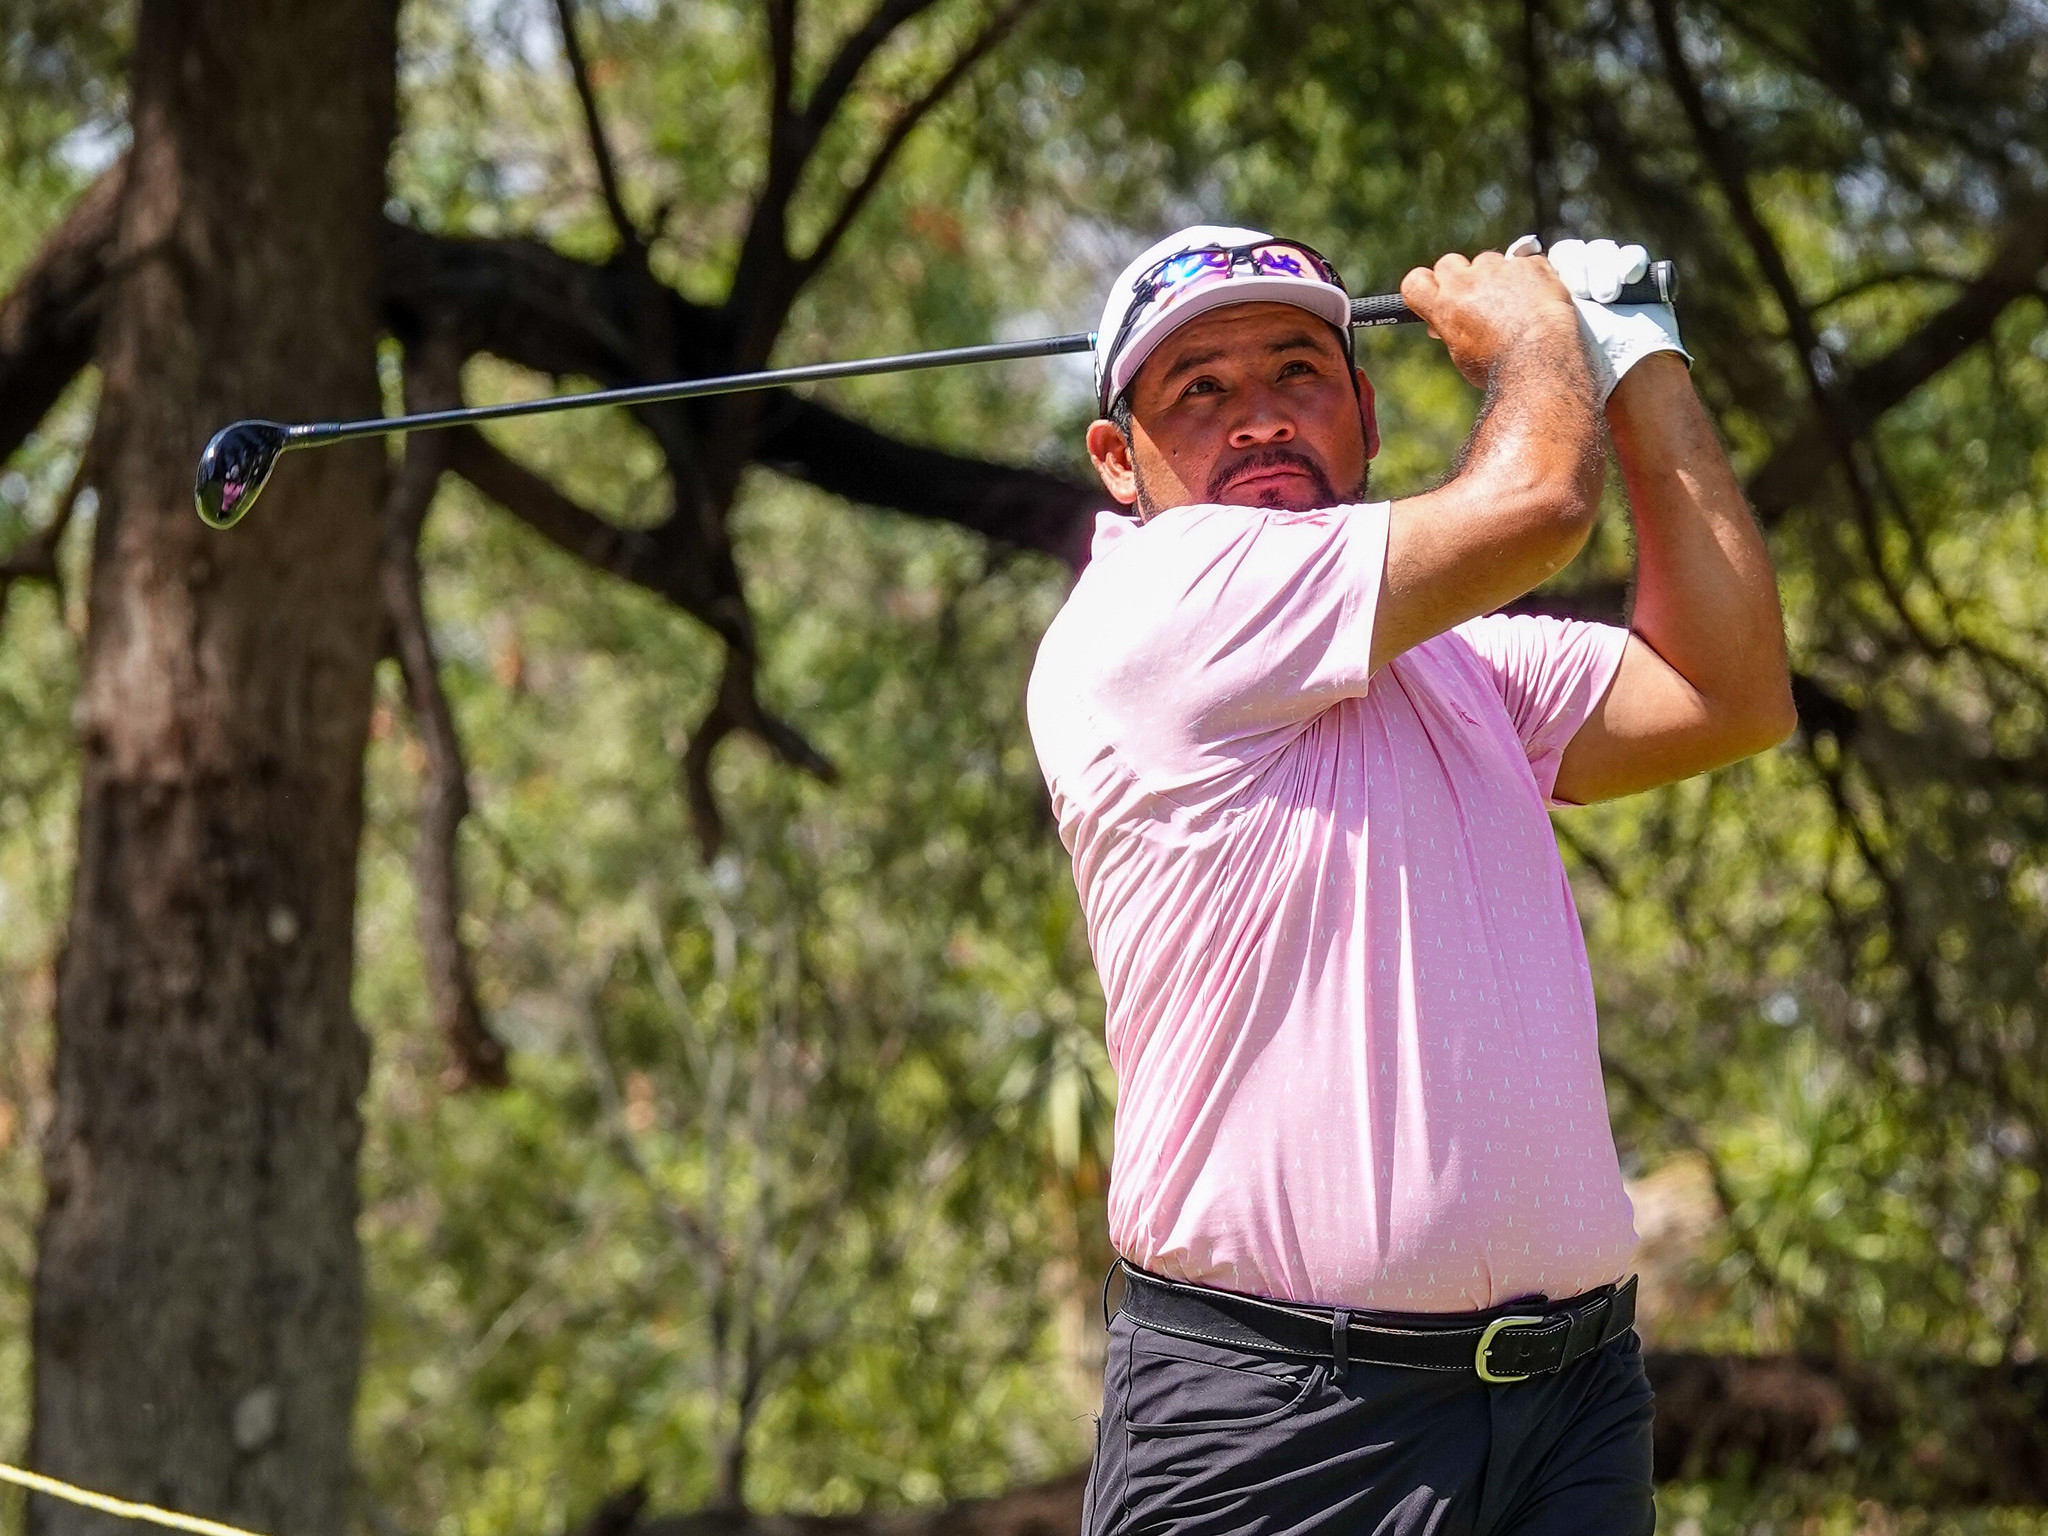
(1108, 1280)
(1340, 1342)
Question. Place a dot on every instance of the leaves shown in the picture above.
(812, 1138)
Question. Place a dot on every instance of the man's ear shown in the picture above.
(1112, 456)
(1367, 414)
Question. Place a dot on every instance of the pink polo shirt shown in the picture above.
(1349, 1007)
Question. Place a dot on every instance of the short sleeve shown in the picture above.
(1207, 638)
(1552, 674)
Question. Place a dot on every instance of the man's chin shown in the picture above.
(1292, 494)
(1289, 495)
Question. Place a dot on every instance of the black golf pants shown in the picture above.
(1201, 1440)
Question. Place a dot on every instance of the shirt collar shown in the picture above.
(1111, 528)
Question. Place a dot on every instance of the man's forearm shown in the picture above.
(1519, 507)
(1706, 600)
(1539, 428)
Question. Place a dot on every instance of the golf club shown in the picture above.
(239, 458)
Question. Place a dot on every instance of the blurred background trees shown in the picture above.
(792, 1201)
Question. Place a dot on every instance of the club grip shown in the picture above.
(1659, 285)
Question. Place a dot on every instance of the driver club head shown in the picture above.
(233, 469)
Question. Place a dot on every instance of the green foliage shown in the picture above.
(810, 1049)
(38, 678)
(1825, 968)
(842, 1089)
(60, 93)
(830, 1109)
(1805, 1507)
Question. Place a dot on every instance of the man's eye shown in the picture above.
(1201, 387)
(1296, 368)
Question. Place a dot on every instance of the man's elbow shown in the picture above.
(1557, 537)
(1780, 723)
(1767, 718)
(1557, 517)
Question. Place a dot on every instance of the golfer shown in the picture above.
(1371, 1219)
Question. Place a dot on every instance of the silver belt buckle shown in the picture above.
(1498, 1326)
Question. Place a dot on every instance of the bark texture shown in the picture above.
(198, 1292)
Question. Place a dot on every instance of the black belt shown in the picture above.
(1506, 1344)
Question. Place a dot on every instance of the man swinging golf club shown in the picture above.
(1373, 1227)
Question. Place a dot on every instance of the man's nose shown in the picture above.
(1262, 424)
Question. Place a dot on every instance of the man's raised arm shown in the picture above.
(1704, 680)
(1528, 485)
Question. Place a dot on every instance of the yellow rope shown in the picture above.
(121, 1507)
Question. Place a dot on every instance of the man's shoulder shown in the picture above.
(1192, 546)
(1533, 646)
(1137, 573)
(1457, 649)
(1063, 672)
(1477, 633)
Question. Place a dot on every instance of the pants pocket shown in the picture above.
(1216, 1441)
(1183, 1386)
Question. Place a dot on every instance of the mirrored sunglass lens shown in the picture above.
(1184, 268)
(1284, 259)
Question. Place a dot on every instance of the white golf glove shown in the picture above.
(1621, 334)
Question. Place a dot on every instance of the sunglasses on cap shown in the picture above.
(1184, 271)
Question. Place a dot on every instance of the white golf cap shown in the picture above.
(1201, 292)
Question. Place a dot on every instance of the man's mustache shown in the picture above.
(1274, 457)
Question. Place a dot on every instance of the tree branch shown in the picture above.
(1890, 277)
(761, 288)
(2012, 273)
(767, 278)
(1842, 414)
(905, 123)
(738, 708)
(36, 557)
(477, 1057)
(528, 303)
(770, 276)
(649, 558)
(646, 560)
(617, 1515)
(852, 58)
(781, 15)
(631, 240)
(1028, 508)
(1817, 365)
(50, 319)
(706, 820)
(1859, 78)
(1725, 163)
(534, 307)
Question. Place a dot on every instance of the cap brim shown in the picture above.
(1324, 301)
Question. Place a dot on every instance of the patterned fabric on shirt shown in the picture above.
(1349, 1006)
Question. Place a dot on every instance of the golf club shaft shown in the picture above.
(691, 389)
(1659, 286)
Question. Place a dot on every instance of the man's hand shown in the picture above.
(1528, 485)
(1484, 307)
(1622, 334)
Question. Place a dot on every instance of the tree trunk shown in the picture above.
(198, 1289)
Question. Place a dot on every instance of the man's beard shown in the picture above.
(1275, 457)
